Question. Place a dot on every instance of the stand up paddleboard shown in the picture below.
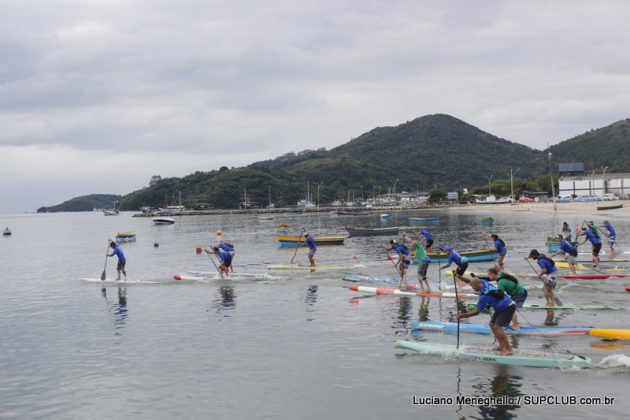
(107, 282)
(485, 354)
(536, 307)
(485, 329)
(388, 291)
(273, 267)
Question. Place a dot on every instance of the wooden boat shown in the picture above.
(610, 207)
(490, 254)
(553, 245)
(163, 220)
(423, 220)
(125, 237)
(393, 231)
(293, 241)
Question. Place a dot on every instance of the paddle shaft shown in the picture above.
(215, 265)
(104, 274)
(297, 246)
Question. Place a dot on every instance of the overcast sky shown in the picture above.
(98, 95)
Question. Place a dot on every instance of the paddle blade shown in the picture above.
(103, 275)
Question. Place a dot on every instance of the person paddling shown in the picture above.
(546, 275)
(224, 258)
(454, 257)
(596, 244)
(312, 248)
(504, 308)
(122, 261)
(566, 231)
(403, 254)
(510, 285)
(612, 235)
(423, 265)
(229, 248)
(501, 250)
(570, 253)
(428, 238)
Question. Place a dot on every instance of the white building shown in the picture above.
(594, 185)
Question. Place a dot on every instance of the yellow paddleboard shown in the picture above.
(610, 333)
(560, 264)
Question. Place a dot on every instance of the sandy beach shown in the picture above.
(582, 209)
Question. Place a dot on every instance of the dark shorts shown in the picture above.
(429, 242)
(504, 317)
(461, 269)
(311, 252)
(520, 299)
(596, 249)
(121, 265)
(423, 266)
(227, 262)
(405, 263)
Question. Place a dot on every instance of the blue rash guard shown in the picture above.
(546, 265)
(226, 247)
(454, 258)
(223, 256)
(402, 250)
(592, 237)
(426, 235)
(500, 247)
(611, 230)
(118, 252)
(311, 243)
(567, 247)
(487, 300)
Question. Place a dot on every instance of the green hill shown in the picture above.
(608, 146)
(434, 149)
(83, 203)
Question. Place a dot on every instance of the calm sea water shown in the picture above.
(296, 346)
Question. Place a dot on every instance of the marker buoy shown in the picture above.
(627, 289)
(198, 250)
(219, 233)
(155, 244)
(177, 277)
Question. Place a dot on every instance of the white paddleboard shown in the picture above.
(109, 282)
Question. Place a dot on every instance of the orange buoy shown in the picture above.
(177, 277)
(198, 250)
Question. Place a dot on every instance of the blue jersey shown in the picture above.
(592, 237)
(118, 252)
(401, 249)
(546, 265)
(500, 247)
(611, 230)
(427, 235)
(454, 258)
(223, 256)
(488, 300)
(567, 247)
(311, 243)
(226, 247)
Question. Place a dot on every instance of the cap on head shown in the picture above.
(306, 234)
(591, 223)
(494, 236)
(534, 254)
(393, 242)
(112, 244)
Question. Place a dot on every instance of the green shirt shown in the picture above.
(420, 252)
(508, 286)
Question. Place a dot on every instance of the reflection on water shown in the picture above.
(503, 384)
(423, 311)
(226, 301)
(118, 308)
(405, 306)
(311, 295)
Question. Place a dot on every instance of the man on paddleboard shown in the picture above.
(312, 248)
(403, 261)
(612, 235)
(423, 265)
(454, 257)
(504, 308)
(224, 258)
(229, 248)
(546, 275)
(501, 250)
(570, 253)
(428, 238)
(596, 244)
(120, 268)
